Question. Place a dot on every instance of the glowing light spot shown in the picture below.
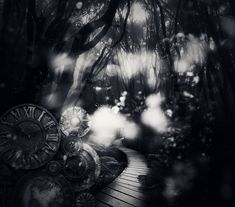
(154, 116)
(107, 124)
(79, 5)
(138, 13)
(75, 121)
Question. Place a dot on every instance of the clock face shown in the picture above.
(42, 190)
(75, 120)
(29, 136)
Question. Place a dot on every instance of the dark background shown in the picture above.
(32, 30)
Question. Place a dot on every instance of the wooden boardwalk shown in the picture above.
(126, 190)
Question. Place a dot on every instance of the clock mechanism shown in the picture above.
(30, 138)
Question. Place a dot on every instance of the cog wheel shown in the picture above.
(85, 200)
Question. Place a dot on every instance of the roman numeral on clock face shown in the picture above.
(49, 125)
(48, 148)
(16, 114)
(41, 116)
(3, 142)
(5, 134)
(5, 122)
(52, 137)
(29, 111)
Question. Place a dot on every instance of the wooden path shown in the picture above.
(126, 190)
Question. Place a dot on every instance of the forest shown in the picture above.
(156, 74)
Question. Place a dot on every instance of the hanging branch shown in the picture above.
(165, 7)
(80, 43)
(158, 39)
(104, 55)
(124, 25)
(58, 17)
(32, 20)
(167, 47)
(177, 17)
(162, 18)
(97, 61)
(232, 4)
(176, 26)
(32, 10)
(57, 24)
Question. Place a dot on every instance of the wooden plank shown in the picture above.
(138, 172)
(129, 178)
(130, 183)
(136, 184)
(135, 173)
(100, 204)
(112, 201)
(129, 175)
(138, 163)
(131, 187)
(135, 162)
(124, 197)
(132, 173)
(138, 167)
(136, 194)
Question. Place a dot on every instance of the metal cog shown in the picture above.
(85, 200)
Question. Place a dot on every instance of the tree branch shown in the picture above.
(79, 44)
(177, 16)
(124, 24)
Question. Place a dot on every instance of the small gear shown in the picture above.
(75, 120)
(85, 200)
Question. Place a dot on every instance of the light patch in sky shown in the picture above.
(138, 13)
(130, 65)
(79, 5)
